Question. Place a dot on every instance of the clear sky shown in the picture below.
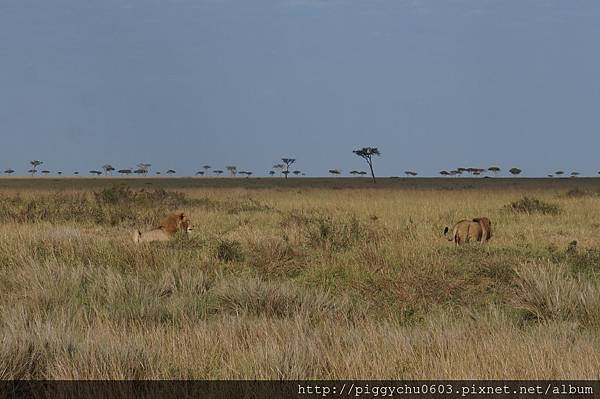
(183, 83)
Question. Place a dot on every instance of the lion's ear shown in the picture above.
(446, 230)
(181, 216)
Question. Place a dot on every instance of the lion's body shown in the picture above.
(465, 231)
(166, 230)
(157, 234)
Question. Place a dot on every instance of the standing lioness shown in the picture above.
(478, 229)
(166, 230)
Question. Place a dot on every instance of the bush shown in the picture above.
(533, 205)
(548, 292)
(229, 251)
(324, 231)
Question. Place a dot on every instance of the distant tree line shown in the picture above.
(368, 154)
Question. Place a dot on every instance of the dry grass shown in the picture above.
(298, 283)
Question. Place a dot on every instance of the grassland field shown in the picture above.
(299, 279)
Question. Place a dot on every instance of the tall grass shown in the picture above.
(288, 283)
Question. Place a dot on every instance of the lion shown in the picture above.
(166, 229)
(478, 229)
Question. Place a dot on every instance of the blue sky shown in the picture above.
(183, 83)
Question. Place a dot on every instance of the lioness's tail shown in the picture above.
(136, 236)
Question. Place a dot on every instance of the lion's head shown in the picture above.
(177, 222)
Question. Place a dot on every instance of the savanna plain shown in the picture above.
(299, 279)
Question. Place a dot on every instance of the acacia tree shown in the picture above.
(335, 171)
(108, 169)
(171, 172)
(206, 168)
(287, 162)
(124, 171)
(271, 172)
(143, 168)
(494, 170)
(218, 172)
(515, 171)
(297, 172)
(35, 163)
(9, 171)
(200, 173)
(367, 154)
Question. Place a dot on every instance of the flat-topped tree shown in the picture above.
(108, 169)
(95, 172)
(35, 163)
(272, 172)
(515, 171)
(287, 162)
(9, 171)
(559, 173)
(206, 167)
(444, 173)
(124, 171)
(142, 168)
(335, 171)
(45, 172)
(171, 172)
(494, 170)
(367, 154)
(200, 173)
(218, 172)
